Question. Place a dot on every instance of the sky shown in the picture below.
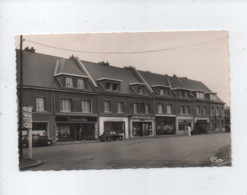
(198, 55)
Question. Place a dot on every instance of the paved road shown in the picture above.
(180, 151)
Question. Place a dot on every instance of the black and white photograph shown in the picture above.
(123, 97)
(123, 100)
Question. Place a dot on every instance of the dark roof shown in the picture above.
(98, 71)
(154, 79)
(38, 69)
(185, 83)
(68, 66)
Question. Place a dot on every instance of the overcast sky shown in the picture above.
(198, 55)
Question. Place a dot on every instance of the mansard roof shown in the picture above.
(154, 79)
(99, 71)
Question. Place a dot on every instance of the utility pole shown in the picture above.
(20, 101)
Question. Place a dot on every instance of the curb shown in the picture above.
(31, 165)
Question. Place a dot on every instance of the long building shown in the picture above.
(73, 99)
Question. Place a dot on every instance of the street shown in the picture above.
(169, 151)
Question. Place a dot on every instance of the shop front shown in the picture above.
(117, 124)
(165, 125)
(202, 124)
(72, 128)
(141, 126)
(183, 122)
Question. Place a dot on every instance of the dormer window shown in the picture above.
(184, 94)
(115, 86)
(140, 90)
(80, 84)
(68, 82)
(199, 95)
(112, 86)
(161, 91)
(108, 85)
(212, 96)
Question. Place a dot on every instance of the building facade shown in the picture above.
(74, 99)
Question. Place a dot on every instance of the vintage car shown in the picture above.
(38, 140)
(111, 136)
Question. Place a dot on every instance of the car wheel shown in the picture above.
(108, 139)
(49, 143)
(121, 138)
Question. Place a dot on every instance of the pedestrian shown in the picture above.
(189, 130)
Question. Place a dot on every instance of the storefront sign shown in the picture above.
(27, 125)
(27, 117)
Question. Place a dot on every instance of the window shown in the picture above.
(169, 109)
(140, 89)
(147, 108)
(204, 110)
(120, 107)
(108, 85)
(217, 111)
(115, 86)
(86, 106)
(212, 96)
(68, 82)
(212, 111)
(184, 94)
(200, 95)
(198, 110)
(80, 83)
(160, 108)
(66, 105)
(187, 110)
(182, 109)
(142, 108)
(135, 108)
(107, 106)
(40, 104)
(161, 91)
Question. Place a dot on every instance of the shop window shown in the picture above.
(165, 125)
(197, 109)
(107, 106)
(147, 108)
(142, 108)
(120, 107)
(86, 106)
(142, 128)
(68, 82)
(39, 128)
(135, 108)
(160, 108)
(81, 83)
(118, 127)
(168, 109)
(182, 126)
(65, 105)
(40, 104)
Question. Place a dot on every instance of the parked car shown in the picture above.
(111, 136)
(38, 140)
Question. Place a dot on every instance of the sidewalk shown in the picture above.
(27, 163)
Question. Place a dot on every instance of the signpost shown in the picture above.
(27, 124)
